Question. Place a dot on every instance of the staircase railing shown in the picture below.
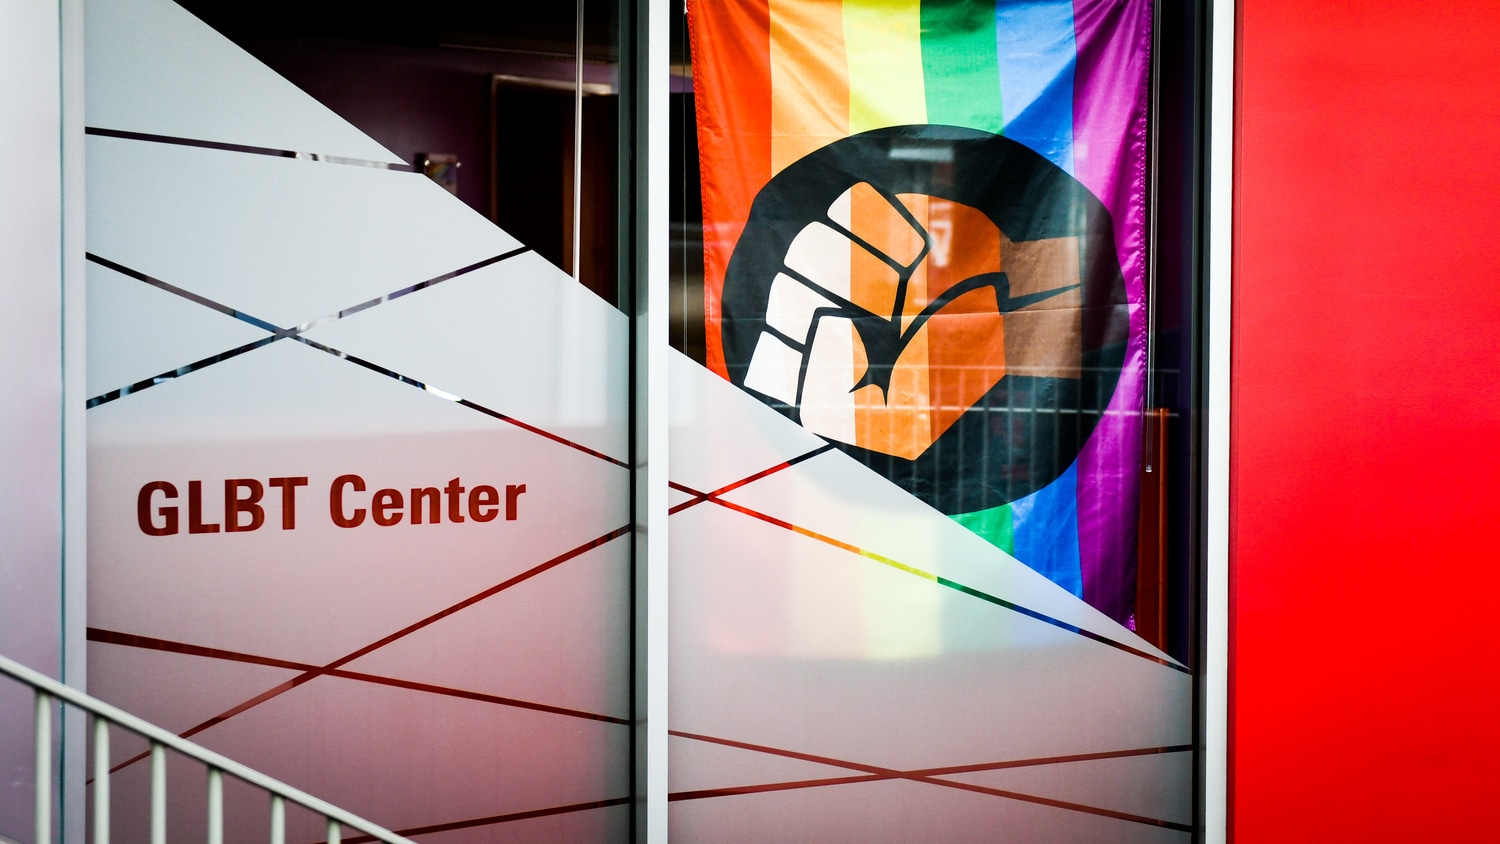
(49, 692)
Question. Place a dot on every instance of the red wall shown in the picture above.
(1366, 422)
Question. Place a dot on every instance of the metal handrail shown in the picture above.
(48, 691)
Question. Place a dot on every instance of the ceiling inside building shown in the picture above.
(539, 28)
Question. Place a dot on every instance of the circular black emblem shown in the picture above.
(941, 303)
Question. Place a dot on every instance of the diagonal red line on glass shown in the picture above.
(496, 819)
(775, 786)
(399, 634)
(700, 497)
(132, 640)
(526, 426)
(928, 775)
(493, 590)
(945, 770)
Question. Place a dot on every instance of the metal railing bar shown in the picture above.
(335, 832)
(158, 793)
(278, 819)
(101, 780)
(43, 767)
(168, 740)
(215, 806)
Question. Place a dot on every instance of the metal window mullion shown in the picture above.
(1215, 676)
(577, 220)
(73, 738)
(649, 72)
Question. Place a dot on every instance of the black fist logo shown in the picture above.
(942, 303)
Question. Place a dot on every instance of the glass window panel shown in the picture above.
(358, 444)
(922, 422)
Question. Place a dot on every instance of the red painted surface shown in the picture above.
(1367, 423)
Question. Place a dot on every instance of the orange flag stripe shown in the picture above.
(732, 134)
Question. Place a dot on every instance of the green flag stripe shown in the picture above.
(960, 68)
(996, 525)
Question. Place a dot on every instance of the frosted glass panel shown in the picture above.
(841, 650)
(358, 497)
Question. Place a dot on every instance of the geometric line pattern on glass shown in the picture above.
(189, 295)
(827, 495)
(284, 126)
(925, 575)
(295, 333)
(277, 331)
(519, 337)
(874, 773)
(893, 774)
(949, 770)
(131, 640)
(525, 426)
(700, 497)
(226, 147)
(204, 363)
(138, 330)
(721, 433)
(282, 238)
(326, 669)
(496, 819)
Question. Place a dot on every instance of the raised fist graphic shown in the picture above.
(942, 303)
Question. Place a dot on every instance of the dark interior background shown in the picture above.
(423, 79)
(1176, 368)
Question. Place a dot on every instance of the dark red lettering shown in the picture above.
(235, 504)
(195, 510)
(385, 501)
(288, 488)
(512, 492)
(484, 503)
(434, 505)
(143, 515)
(336, 501)
(455, 501)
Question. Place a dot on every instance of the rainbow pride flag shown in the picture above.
(924, 231)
